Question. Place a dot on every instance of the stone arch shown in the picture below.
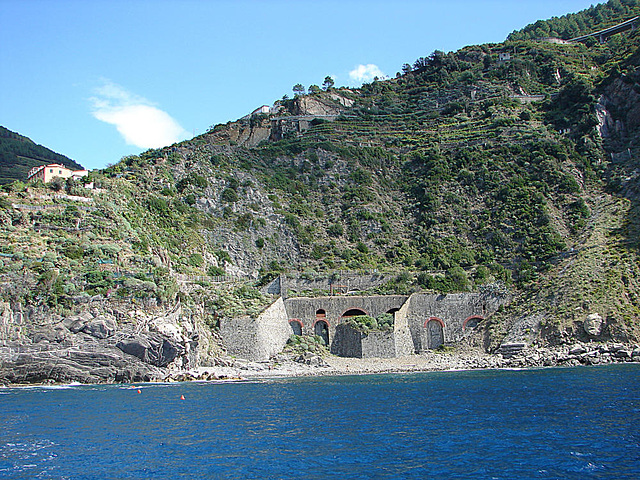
(472, 322)
(434, 332)
(321, 328)
(352, 312)
(296, 326)
(433, 319)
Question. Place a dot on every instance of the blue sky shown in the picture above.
(97, 80)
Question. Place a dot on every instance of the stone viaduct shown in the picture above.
(421, 322)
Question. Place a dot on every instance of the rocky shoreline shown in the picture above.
(30, 369)
(461, 358)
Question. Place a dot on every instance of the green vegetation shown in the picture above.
(300, 344)
(19, 154)
(365, 323)
(572, 25)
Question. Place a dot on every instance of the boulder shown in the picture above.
(100, 327)
(577, 350)
(151, 348)
(593, 324)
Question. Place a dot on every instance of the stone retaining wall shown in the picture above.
(259, 338)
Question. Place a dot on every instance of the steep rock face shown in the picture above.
(321, 105)
(93, 346)
(618, 112)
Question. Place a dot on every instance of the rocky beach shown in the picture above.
(461, 358)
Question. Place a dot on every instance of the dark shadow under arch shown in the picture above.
(434, 334)
(321, 328)
(353, 312)
(296, 326)
(472, 322)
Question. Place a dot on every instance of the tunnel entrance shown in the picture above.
(471, 322)
(321, 328)
(434, 333)
(296, 326)
(353, 312)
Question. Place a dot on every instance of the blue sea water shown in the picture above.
(571, 423)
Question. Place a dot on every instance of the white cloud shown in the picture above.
(365, 73)
(138, 121)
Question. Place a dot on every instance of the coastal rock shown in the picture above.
(76, 323)
(577, 350)
(102, 364)
(151, 348)
(593, 324)
(100, 327)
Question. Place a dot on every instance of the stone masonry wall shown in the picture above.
(347, 342)
(350, 342)
(453, 311)
(305, 310)
(259, 338)
(402, 332)
(350, 282)
(422, 321)
(379, 345)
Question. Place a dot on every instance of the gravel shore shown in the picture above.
(462, 358)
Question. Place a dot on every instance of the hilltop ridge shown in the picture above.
(18, 154)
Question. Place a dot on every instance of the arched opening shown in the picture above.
(321, 328)
(320, 313)
(434, 332)
(392, 310)
(471, 322)
(296, 326)
(353, 312)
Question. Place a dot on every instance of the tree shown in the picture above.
(328, 83)
(57, 184)
(298, 89)
(420, 63)
(313, 89)
(406, 68)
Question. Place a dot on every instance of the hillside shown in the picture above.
(572, 25)
(507, 167)
(19, 154)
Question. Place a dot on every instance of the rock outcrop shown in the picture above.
(96, 345)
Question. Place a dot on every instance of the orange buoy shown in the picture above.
(139, 391)
(181, 397)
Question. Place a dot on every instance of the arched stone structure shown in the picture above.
(352, 312)
(434, 334)
(471, 322)
(296, 326)
(321, 328)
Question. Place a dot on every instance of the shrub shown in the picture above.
(195, 260)
(229, 195)
(214, 271)
(335, 230)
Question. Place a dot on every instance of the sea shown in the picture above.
(554, 423)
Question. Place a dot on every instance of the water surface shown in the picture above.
(572, 423)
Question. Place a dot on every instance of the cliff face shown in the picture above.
(105, 342)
